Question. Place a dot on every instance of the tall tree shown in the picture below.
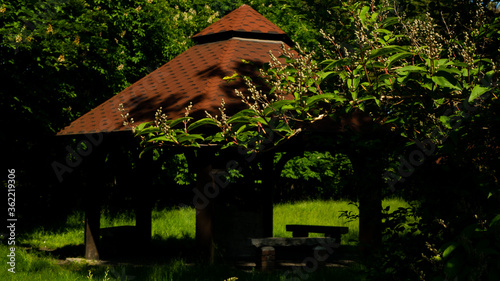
(61, 58)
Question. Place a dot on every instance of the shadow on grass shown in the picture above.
(176, 259)
(129, 251)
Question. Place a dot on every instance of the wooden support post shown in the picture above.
(370, 219)
(369, 185)
(267, 193)
(92, 235)
(204, 193)
(94, 178)
(143, 201)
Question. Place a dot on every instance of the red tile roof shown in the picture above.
(243, 22)
(193, 76)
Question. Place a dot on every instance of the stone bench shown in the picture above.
(323, 247)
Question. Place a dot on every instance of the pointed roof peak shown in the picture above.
(243, 22)
(195, 76)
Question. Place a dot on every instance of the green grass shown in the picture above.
(35, 267)
(166, 224)
(314, 213)
(320, 212)
(71, 233)
(171, 224)
(394, 203)
(177, 223)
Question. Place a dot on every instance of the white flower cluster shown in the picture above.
(125, 116)
(212, 17)
(161, 121)
(424, 37)
(221, 123)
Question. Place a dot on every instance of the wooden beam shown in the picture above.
(94, 178)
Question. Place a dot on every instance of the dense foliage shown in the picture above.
(430, 92)
(425, 76)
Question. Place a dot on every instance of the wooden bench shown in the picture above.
(299, 230)
(323, 247)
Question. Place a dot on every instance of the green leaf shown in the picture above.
(179, 120)
(282, 105)
(216, 138)
(495, 220)
(201, 122)
(354, 95)
(411, 68)
(442, 62)
(231, 78)
(489, 61)
(452, 70)
(367, 98)
(459, 64)
(446, 121)
(450, 249)
(190, 138)
(363, 12)
(446, 80)
(324, 74)
(141, 126)
(337, 63)
(477, 92)
(354, 82)
(375, 64)
(257, 119)
(393, 39)
(316, 98)
(245, 112)
(241, 129)
(161, 139)
(148, 130)
(385, 50)
(393, 120)
(239, 119)
(396, 57)
(148, 148)
(391, 21)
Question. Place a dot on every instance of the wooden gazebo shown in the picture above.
(195, 76)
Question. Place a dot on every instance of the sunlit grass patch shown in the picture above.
(174, 223)
(327, 213)
(317, 212)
